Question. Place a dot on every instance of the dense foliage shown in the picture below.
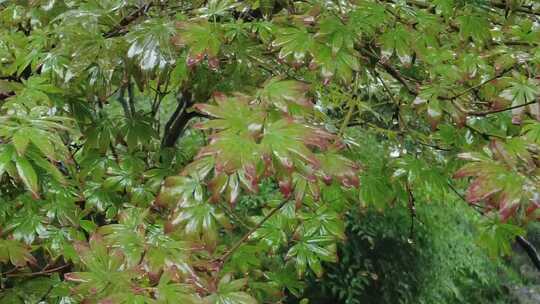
(135, 136)
(440, 264)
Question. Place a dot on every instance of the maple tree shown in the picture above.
(130, 131)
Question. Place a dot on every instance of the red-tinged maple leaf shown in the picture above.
(231, 152)
(234, 115)
(508, 205)
(480, 189)
(177, 190)
(495, 184)
(289, 140)
(335, 165)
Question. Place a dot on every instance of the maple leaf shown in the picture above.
(230, 291)
(199, 222)
(203, 40)
(164, 252)
(150, 44)
(397, 40)
(234, 114)
(310, 251)
(294, 42)
(289, 141)
(284, 93)
(333, 164)
(494, 184)
(16, 253)
(105, 270)
(341, 65)
(336, 34)
(128, 235)
(474, 26)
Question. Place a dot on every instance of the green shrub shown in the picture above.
(440, 263)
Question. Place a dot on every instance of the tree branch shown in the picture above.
(119, 29)
(131, 98)
(122, 100)
(389, 69)
(412, 208)
(530, 250)
(39, 273)
(176, 124)
(475, 87)
(485, 113)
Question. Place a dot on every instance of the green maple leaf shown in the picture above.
(294, 42)
(397, 40)
(233, 114)
(169, 292)
(16, 253)
(474, 26)
(310, 251)
(163, 251)
(273, 233)
(201, 38)
(324, 222)
(284, 93)
(287, 140)
(150, 44)
(367, 17)
(215, 8)
(199, 222)
(105, 273)
(179, 191)
(335, 165)
(138, 132)
(232, 152)
(336, 34)
(342, 65)
(230, 291)
(494, 184)
(127, 235)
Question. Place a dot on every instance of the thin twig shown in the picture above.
(412, 208)
(246, 236)
(119, 29)
(42, 272)
(486, 135)
(475, 87)
(131, 98)
(486, 113)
